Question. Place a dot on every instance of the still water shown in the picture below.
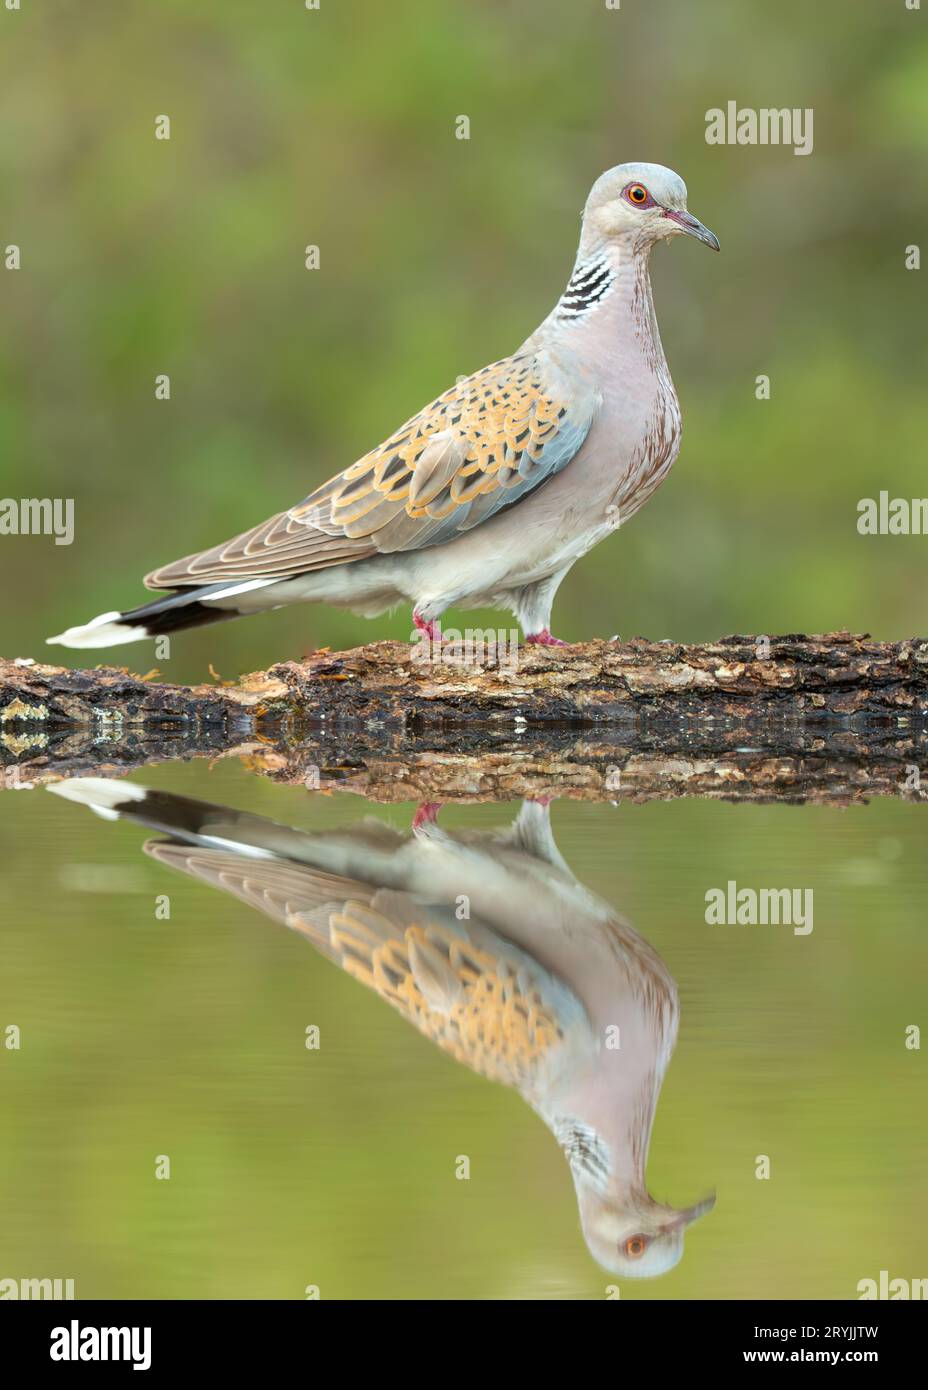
(284, 1042)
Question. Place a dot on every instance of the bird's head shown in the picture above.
(643, 203)
(635, 1237)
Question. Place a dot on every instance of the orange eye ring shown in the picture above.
(635, 1247)
(637, 193)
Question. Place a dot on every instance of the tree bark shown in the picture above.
(832, 719)
(589, 684)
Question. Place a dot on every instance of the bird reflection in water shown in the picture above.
(487, 943)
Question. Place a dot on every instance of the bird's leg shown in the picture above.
(426, 814)
(532, 608)
(431, 629)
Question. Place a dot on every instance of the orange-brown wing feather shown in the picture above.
(475, 995)
(490, 439)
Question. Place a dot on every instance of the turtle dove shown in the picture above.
(539, 984)
(492, 492)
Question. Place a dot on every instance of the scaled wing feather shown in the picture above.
(487, 442)
(473, 993)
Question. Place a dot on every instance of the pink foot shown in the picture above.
(544, 639)
(432, 630)
(426, 814)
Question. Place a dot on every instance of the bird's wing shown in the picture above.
(279, 888)
(476, 995)
(482, 446)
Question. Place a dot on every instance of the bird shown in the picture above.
(488, 944)
(490, 494)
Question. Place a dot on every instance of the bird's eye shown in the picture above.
(637, 193)
(635, 1246)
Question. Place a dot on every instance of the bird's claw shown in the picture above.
(432, 630)
(426, 814)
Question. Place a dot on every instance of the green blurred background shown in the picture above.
(336, 127)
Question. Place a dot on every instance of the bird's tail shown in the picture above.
(268, 865)
(194, 822)
(211, 603)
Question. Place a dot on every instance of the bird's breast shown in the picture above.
(652, 456)
(630, 450)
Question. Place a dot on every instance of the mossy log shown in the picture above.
(833, 719)
(587, 685)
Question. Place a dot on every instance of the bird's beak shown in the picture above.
(690, 1214)
(693, 227)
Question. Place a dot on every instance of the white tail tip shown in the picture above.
(101, 794)
(104, 631)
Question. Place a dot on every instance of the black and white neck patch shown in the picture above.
(589, 284)
(587, 1154)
